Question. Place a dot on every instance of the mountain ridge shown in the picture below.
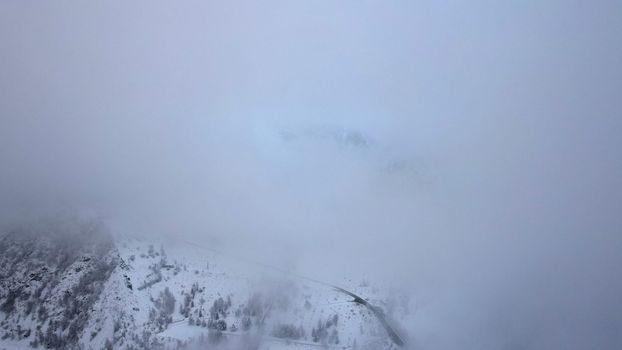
(77, 287)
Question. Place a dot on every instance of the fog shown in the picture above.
(469, 153)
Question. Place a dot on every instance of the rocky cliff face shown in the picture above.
(51, 275)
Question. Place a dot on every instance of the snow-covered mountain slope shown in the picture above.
(73, 286)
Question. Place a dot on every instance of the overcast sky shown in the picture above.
(471, 150)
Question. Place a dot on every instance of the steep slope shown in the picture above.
(51, 275)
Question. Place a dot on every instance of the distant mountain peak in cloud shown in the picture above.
(338, 135)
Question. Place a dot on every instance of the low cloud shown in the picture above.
(467, 154)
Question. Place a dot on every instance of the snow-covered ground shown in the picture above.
(175, 294)
(289, 300)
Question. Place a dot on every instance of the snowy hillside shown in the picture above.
(73, 286)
